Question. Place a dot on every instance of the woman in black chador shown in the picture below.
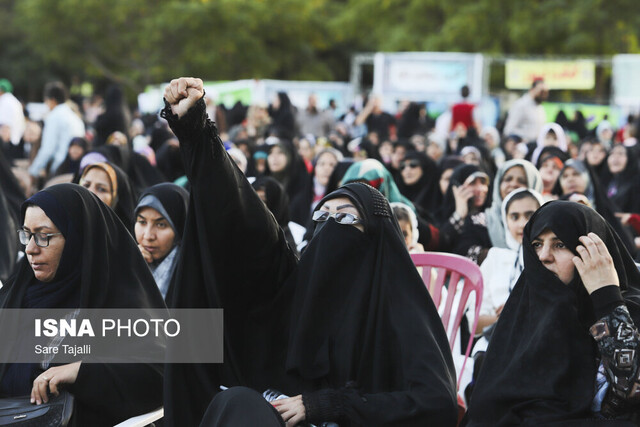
(78, 254)
(349, 331)
(565, 351)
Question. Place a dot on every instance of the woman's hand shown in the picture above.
(53, 378)
(183, 93)
(462, 194)
(291, 410)
(595, 264)
(145, 254)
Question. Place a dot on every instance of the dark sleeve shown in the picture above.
(618, 343)
(397, 408)
(450, 232)
(473, 241)
(117, 391)
(238, 239)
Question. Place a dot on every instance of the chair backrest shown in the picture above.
(143, 420)
(454, 268)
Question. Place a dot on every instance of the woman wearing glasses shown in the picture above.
(80, 255)
(419, 183)
(349, 331)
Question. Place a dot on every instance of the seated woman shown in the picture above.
(408, 223)
(349, 330)
(323, 166)
(372, 172)
(463, 226)
(512, 175)
(419, 182)
(621, 179)
(577, 179)
(565, 349)
(275, 198)
(502, 267)
(160, 217)
(112, 186)
(79, 255)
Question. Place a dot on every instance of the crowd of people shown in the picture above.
(299, 224)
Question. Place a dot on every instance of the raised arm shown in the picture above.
(234, 238)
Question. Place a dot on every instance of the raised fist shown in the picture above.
(182, 93)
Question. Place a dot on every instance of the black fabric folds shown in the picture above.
(352, 315)
(424, 194)
(603, 205)
(101, 267)
(540, 367)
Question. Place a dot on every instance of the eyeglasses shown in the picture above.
(42, 239)
(340, 217)
(412, 164)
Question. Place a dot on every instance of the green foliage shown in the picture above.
(138, 42)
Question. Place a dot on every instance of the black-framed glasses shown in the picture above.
(340, 217)
(42, 239)
(411, 163)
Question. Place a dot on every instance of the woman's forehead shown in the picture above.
(341, 202)
(35, 217)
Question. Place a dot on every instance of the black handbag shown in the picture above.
(19, 411)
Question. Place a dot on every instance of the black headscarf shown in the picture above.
(174, 200)
(277, 199)
(116, 116)
(135, 165)
(236, 257)
(425, 194)
(294, 178)
(541, 364)
(69, 165)
(8, 239)
(98, 248)
(351, 324)
(11, 188)
(623, 188)
(283, 119)
(596, 195)
(101, 267)
(458, 178)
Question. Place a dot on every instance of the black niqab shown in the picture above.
(382, 333)
(541, 364)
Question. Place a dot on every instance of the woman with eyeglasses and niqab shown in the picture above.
(565, 348)
(349, 331)
(78, 254)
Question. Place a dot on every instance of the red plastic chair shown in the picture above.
(454, 267)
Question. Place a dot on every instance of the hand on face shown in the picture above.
(594, 264)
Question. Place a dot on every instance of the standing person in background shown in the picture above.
(116, 117)
(314, 121)
(283, 121)
(526, 115)
(60, 126)
(462, 112)
(376, 120)
(11, 116)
